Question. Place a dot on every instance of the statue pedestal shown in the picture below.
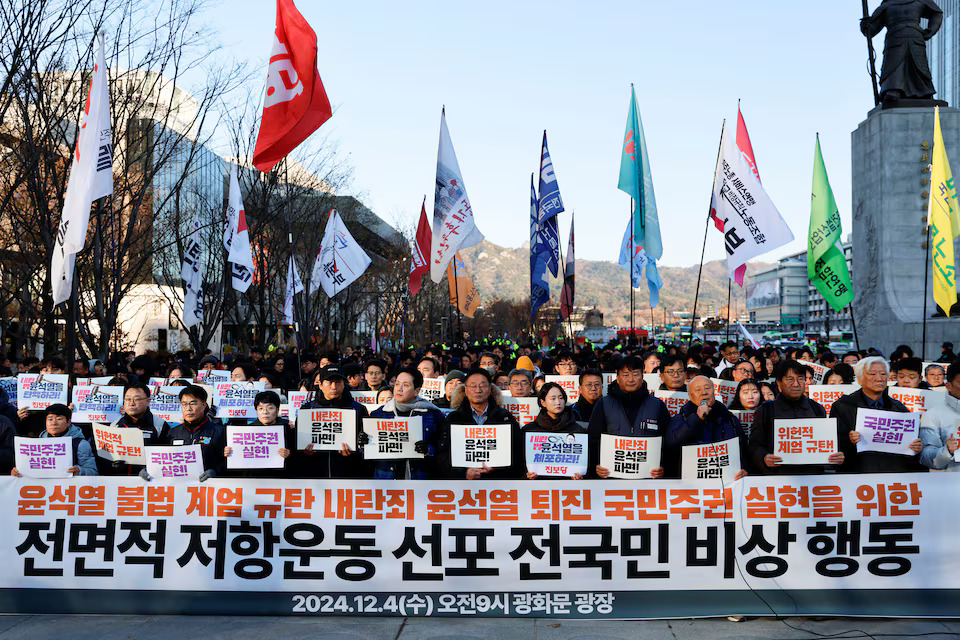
(889, 187)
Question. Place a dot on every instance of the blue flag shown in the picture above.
(637, 181)
(641, 262)
(539, 288)
(549, 205)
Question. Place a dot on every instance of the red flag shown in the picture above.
(421, 247)
(566, 294)
(295, 103)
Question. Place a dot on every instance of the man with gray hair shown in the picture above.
(521, 384)
(872, 374)
(939, 425)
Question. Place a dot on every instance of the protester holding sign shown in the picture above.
(332, 393)
(521, 383)
(136, 415)
(628, 409)
(872, 375)
(479, 401)
(57, 423)
(555, 417)
(940, 427)
(406, 403)
(791, 403)
(198, 428)
(267, 404)
(702, 420)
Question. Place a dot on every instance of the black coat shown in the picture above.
(761, 436)
(686, 428)
(495, 415)
(330, 464)
(634, 414)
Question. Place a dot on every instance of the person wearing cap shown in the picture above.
(479, 401)
(207, 363)
(454, 379)
(198, 428)
(136, 415)
(332, 393)
(524, 362)
(57, 424)
(946, 353)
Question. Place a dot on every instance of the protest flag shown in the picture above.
(549, 205)
(944, 221)
(635, 260)
(463, 291)
(567, 293)
(91, 178)
(341, 259)
(454, 227)
(295, 103)
(236, 239)
(747, 336)
(294, 286)
(192, 275)
(637, 181)
(421, 248)
(539, 287)
(826, 262)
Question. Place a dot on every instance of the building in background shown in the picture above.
(777, 296)
(821, 318)
(943, 51)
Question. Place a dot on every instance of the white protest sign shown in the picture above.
(37, 391)
(392, 438)
(104, 380)
(166, 382)
(819, 371)
(607, 379)
(629, 458)
(746, 419)
(570, 384)
(327, 429)
(235, 399)
(119, 443)
(10, 386)
(556, 454)
(432, 388)
(165, 404)
(474, 445)
(887, 431)
(81, 382)
(295, 399)
(673, 399)
(525, 410)
(653, 381)
(918, 400)
(805, 440)
(827, 394)
(368, 398)
(174, 464)
(506, 393)
(716, 461)
(213, 376)
(43, 457)
(255, 447)
(97, 404)
(724, 390)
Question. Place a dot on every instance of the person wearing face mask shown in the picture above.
(702, 420)
(556, 416)
(267, 404)
(628, 409)
(57, 423)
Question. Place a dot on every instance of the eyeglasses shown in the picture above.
(793, 381)
(190, 405)
(673, 372)
(744, 370)
(593, 385)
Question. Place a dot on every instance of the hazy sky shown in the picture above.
(508, 70)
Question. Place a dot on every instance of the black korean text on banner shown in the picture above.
(629, 458)
(327, 429)
(392, 438)
(715, 461)
(432, 388)
(474, 445)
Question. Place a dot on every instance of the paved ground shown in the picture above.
(284, 628)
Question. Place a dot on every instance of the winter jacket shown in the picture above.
(635, 414)
(566, 422)
(83, 456)
(155, 432)
(7, 452)
(845, 409)
(7, 410)
(686, 428)
(331, 464)
(496, 414)
(424, 469)
(584, 408)
(212, 438)
(289, 442)
(938, 424)
(761, 436)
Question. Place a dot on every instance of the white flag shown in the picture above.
(752, 224)
(192, 275)
(91, 177)
(294, 286)
(340, 261)
(746, 335)
(236, 239)
(453, 225)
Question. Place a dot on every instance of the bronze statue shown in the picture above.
(905, 74)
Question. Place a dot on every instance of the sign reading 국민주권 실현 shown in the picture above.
(327, 429)
(174, 464)
(43, 457)
(887, 431)
(836, 544)
(473, 445)
(255, 447)
(629, 458)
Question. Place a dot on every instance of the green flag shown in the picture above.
(826, 262)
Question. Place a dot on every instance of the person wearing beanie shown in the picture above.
(524, 362)
(454, 379)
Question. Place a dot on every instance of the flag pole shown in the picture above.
(630, 279)
(853, 321)
(926, 294)
(873, 59)
(563, 278)
(456, 289)
(729, 289)
(696, 297)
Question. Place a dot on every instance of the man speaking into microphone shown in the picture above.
(702, 420)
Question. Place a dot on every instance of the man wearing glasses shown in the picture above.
(136, 415)
(591, 388)
(743, 371)
(673, 376)
(731, 355)
(198, 428)
(790, 403)
(521, 385)
(565, 365)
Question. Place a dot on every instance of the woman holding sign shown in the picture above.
(555, 417)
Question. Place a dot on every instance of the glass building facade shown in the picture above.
(944, 54)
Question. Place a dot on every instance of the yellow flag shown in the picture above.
(944, 220)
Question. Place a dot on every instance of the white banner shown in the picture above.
(119, 443)
(827, 394)
(165, 404)
(724, 390)
(607, 379)
(43, 457)
(174, 464)
(570, 384)
(474, 445)
(10, 386)
(212, 376)
(805, 441)
(392, 438)
(327, 429)
(673, 399)
(746, 419)
(97, 404)
(235, 399)
(432, 388)
(37, 391)
(525, 410)
(340, 261)
(368, 398)
(629, 458)
(887, 431)
(717, 461)
(918, 400)
(819, 371)
(556, 454)
(255, 447)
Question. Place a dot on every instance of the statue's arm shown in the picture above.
(934, 19)
(874, 24)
